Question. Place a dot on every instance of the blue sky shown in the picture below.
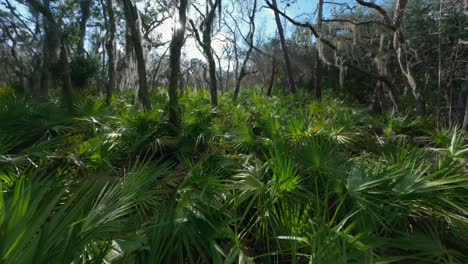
(265, 23)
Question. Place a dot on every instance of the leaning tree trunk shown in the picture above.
(110, 47)
(85, 8)
(292, 85)
(318, 62)
(131, 17)
(174, 64)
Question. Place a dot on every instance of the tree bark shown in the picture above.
(50, 51)
(318, 62)
(110, 47)
(174, 63)
(54, 43)
(292, 85)
(131, 17)
(463, 101)
(85, 6)
(67, 89)
(273, 73)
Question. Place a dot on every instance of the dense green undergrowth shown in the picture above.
(270, 180)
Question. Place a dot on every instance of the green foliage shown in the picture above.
(266, 180)
(83, 69)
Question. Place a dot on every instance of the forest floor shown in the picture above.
(268, 180)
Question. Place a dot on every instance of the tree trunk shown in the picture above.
(465, 118)
(207, 26)
(272, 79)
(67, 89)
(110, 47)
(376, 100)
(243, 71)
(212, 74)
(131, 17)
(209, 53)
(292, 85)
(401, 47)
(463, 101)
(227, 75)
(50, 52)
(174, 64)
(85, 6)
(318, 62)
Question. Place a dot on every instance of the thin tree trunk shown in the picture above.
(292, 85)
(131, 17)
(207, 26)
(318, 62)
(463, 101)
(50, 51)
(227, 74)
(174, 64)
(376, 106)
(85, 6)
(219, 72)
(400, 46)
(243, 71)
(67, 89)
(110, 46)
(272, 79)
(212, 74)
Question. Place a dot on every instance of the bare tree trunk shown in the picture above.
(243, 71)
(110, 47)
(407, 72)
(273, 73)
(174, 64)
(212, 74)
(67, 89)
(292, 85)
(206, 27)
(402, 54)
(318, 62)
(376, 99)
(50, 52)
(401, 48)
(131, 17)
(220, 72)
(463, 101)
(227, 74)
(54, 43)
(85, 6)
(155, 74)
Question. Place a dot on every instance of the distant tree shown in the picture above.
(206, 27)
(318, 62)
(292, 85)
(250, 42)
